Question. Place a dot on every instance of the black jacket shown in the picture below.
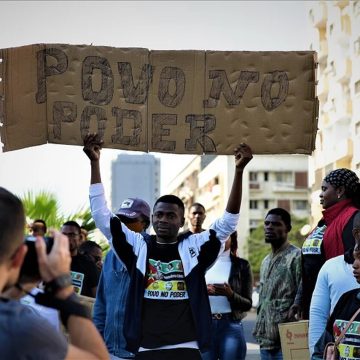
(241, 282)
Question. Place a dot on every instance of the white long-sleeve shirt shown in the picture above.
(334, 279)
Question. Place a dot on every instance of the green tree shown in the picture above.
(257, 248)
(44, 205)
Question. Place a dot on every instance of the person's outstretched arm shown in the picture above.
(243, 155)
(99, 209)
(226, 225)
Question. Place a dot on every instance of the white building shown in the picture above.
(336, 38)
(135, 176)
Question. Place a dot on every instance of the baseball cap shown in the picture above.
(133, 208)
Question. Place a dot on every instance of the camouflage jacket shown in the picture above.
(280, 276)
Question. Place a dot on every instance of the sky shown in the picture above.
(156, 25)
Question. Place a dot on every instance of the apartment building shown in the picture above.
(336, 38)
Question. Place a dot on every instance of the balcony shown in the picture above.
(318, 15)
(255, 186)
(344, 111)
(338, 151)
(284, 187)
(323, 89)
(343, 70)
(342, 4)
(324, 50)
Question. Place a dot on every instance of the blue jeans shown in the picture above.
(227, 341)
(271, 354)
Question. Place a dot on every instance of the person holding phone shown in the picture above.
(229, 284)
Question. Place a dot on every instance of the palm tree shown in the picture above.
(44, 205)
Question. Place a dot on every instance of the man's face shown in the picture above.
(275, 230)
(96, 257)
(74, 235)
(196, 216)
(167, 220)
(356, 263)
(356, 253)
(38, 228)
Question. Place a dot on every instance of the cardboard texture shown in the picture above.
(175, 100)
(294, 340)
(24, 121)
(188, 102)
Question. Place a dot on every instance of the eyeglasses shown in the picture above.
(71, 235)
(97, 258)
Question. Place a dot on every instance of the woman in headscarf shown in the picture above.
(340, 199)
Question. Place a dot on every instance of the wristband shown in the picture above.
(69, 306)
(61, 282)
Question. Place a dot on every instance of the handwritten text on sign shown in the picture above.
(176, 101)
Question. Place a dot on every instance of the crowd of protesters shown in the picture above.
(177, 295)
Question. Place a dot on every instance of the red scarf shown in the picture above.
(336, 217)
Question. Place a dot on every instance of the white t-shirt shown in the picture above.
(51, 315)
(219, 274)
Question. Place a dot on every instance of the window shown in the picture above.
(300, 205)
(266, 204)
(357, 128)
(357, 46)
(253, 204)
(356, 8)
(253, 183)
(301, 179)
(285, 204)
(252, 176)
(357, 87)
(284, 177)
(266, 176)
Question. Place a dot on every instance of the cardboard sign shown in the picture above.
(294, 340)
(188, 102)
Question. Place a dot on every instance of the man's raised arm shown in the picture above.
(243, 154)
(92, 147)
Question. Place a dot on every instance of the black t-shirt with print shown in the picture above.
(85, 274)
(167, 317)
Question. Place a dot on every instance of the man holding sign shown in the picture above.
(168, 313)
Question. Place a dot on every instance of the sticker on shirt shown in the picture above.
(347, 351)
(77, 280)
(312, 244)
(165, 281)
(339, 326)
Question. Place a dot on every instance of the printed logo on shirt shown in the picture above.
(165, 281)
(77, 280)
(192, 252)
(312, 244)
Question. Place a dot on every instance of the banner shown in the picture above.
(183, 101)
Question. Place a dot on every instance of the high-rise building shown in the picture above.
(135, 176)
(336, 38)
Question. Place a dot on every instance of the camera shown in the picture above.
(30, 266)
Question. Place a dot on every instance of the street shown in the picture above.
(252, 346)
